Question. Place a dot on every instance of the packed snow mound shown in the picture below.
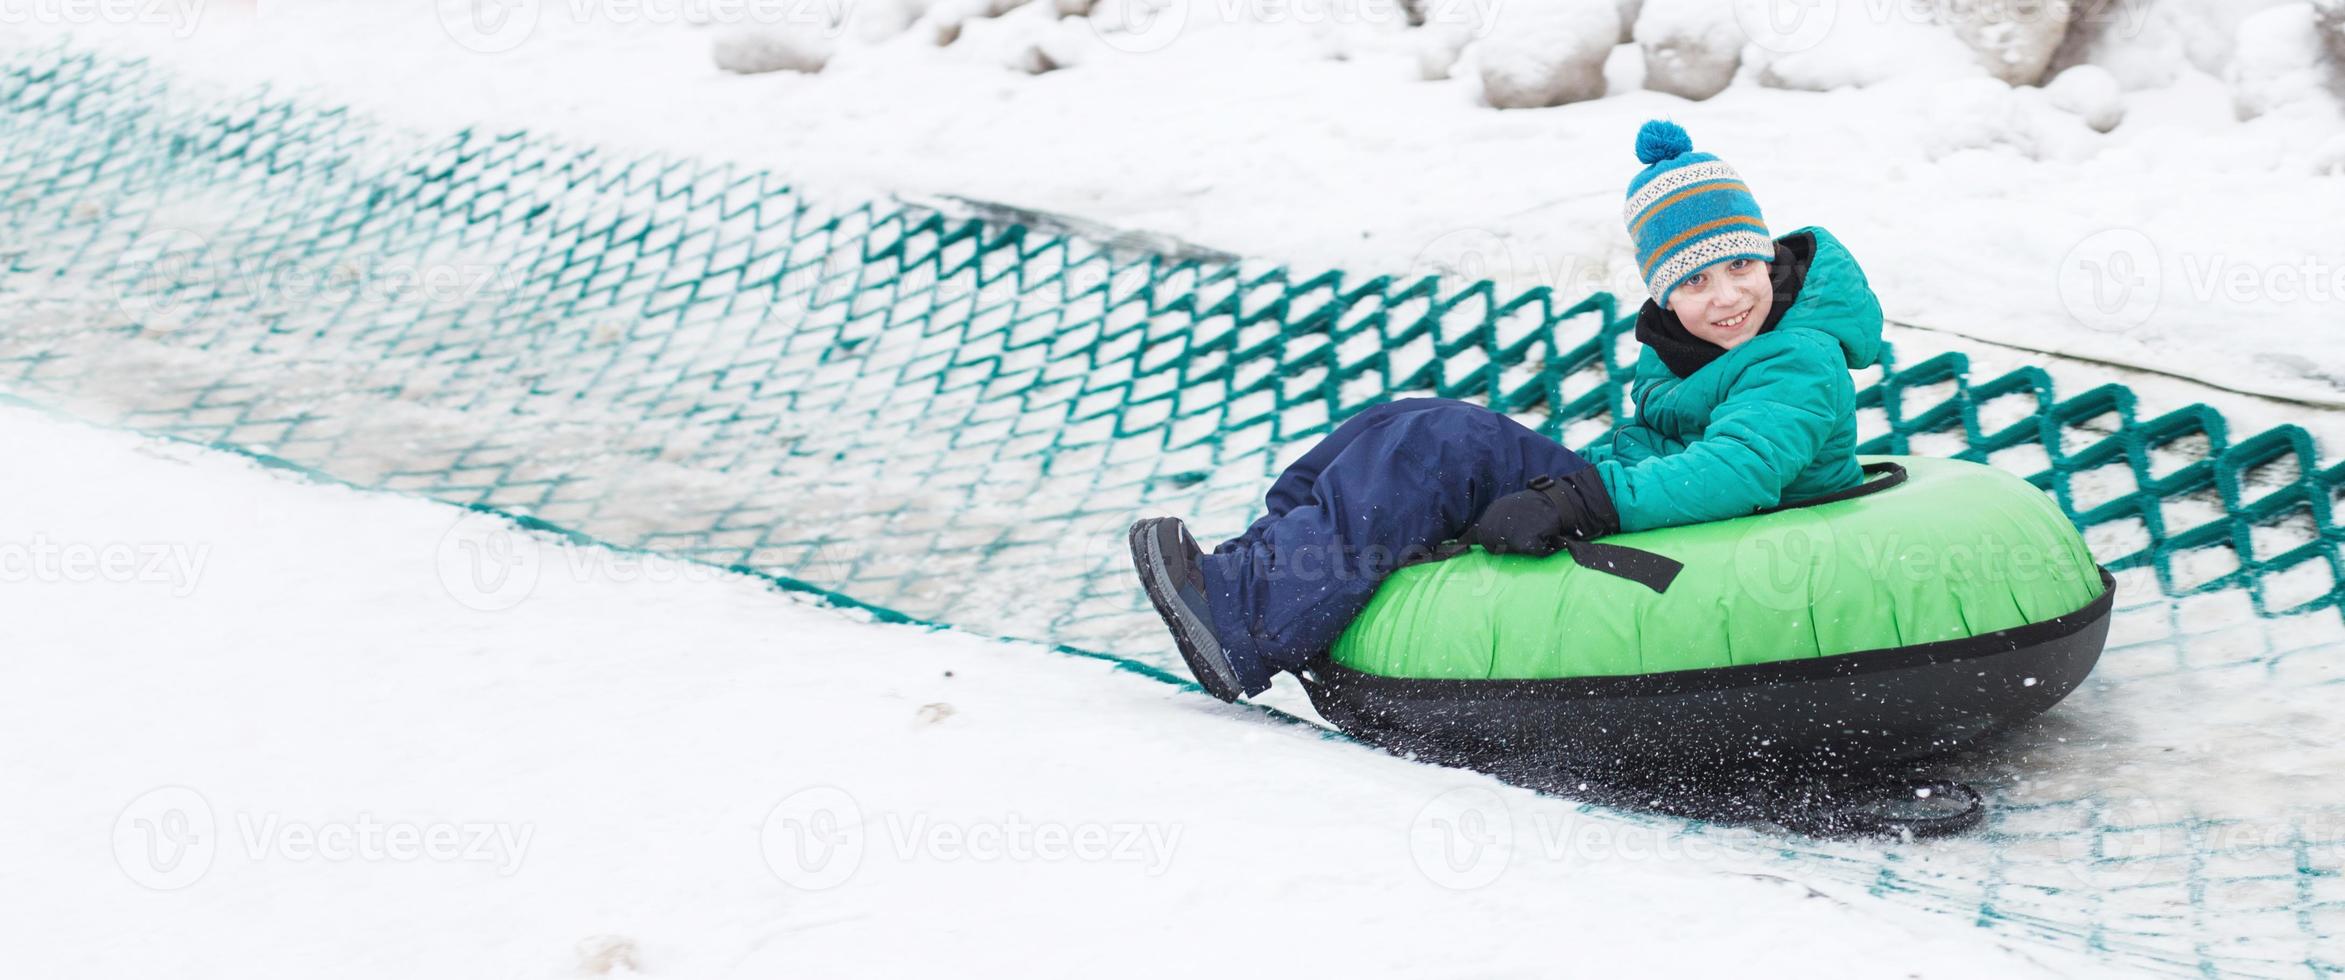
(1547, 54)
(2278, 60)
(1985, 114)
(2329, 19)
(2151, 43)
(1033, 39)
(756, 50)
(2091, 93)
(1631, 11)
(1839, 43)
(873, 21)
(2329, 160)
(1691, 47)
(2013, 41)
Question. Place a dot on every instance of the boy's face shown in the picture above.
(1725, 302)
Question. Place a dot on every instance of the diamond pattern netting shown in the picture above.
(952, 421)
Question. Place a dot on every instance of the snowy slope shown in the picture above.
(2185, 239)
(307, 738)
(649, 737)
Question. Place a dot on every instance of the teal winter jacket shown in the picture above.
(1771, 420)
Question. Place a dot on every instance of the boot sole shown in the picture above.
(1148, 559)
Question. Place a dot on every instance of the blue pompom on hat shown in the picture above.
(1687, 210)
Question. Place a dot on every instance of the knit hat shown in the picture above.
(1687, 210)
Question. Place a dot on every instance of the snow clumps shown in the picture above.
(1691, 47)
(1548, 53)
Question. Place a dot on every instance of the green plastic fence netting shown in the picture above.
(952, 420)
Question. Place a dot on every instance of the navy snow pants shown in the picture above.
(1384, 487)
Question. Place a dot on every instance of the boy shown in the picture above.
(1743, 401)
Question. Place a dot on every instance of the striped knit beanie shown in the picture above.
(1687, 210)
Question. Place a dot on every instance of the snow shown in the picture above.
(2089, 92)
(1691, 47)
(2152, 44)
(327, 735)
(2329, 19)
(1290, 131)
(2014, 42)
(635, 740)
(1830, 44)
(1547, 54)
(756, 50)
(2278, 61)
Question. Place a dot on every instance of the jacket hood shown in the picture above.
(1836, 301)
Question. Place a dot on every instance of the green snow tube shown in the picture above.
(1938, 603)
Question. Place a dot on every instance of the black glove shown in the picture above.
(1536, 521)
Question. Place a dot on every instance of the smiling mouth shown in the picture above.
(1733, 322)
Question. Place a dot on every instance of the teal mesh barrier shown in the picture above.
(952, 420)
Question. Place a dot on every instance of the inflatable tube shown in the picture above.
(1895, 622)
